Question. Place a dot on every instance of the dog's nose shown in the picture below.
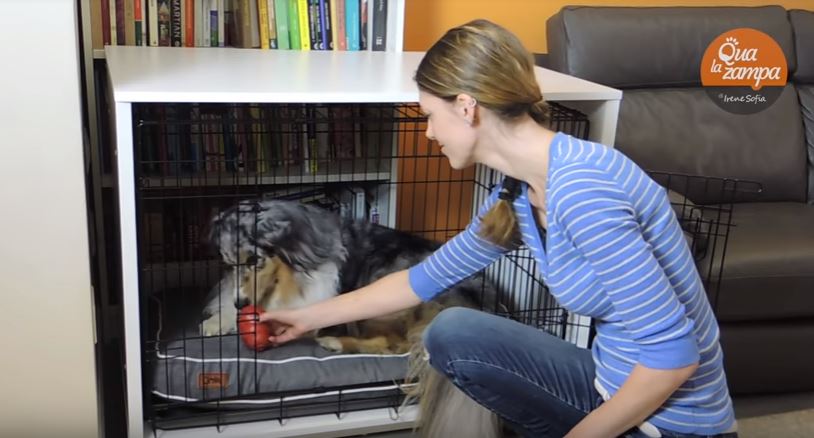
(241, 302)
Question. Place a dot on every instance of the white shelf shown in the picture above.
(178, 74)
(169, 74)
(560, 87)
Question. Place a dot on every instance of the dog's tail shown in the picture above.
(444, 410)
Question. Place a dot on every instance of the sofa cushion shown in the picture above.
(802, 23)
(769, 263)
(806, 94)
(766, 357)
(681, 130)
(597, 44)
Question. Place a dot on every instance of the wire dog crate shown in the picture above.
(367, 162)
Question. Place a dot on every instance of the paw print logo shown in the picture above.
(728, 50)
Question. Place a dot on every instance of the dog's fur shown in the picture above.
(286, 254)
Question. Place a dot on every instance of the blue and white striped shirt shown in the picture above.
(613, 251)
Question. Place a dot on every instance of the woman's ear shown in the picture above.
(466, 106)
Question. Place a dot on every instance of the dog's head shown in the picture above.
(270, 283)
(303, 236)
(234, 232)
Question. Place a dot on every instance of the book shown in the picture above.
(152, 18)
(305, 35)
(341, 40)
(313, 25)
(130, 22)
(140, 14)
(263, 23)
(325, 24)
(272, 23)
(189, 23)
(281, 21)
(164, 23)
(364, 27)
(352, 26)
(294, 25)
(379, 25)
(176, 39)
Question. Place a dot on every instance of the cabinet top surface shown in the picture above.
(176, 74)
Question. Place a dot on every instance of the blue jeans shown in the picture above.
(542, 386)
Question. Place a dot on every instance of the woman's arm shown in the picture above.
(644, 391)
(387, 295)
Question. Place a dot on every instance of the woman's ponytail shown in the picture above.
(499, 224)
(540, 112)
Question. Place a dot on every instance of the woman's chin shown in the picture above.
(459, 164)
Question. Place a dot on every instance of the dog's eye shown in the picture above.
(252, 260)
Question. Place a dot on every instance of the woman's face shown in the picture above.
(447, 124)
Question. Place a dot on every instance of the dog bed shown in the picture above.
(222, 367)
(222, 372)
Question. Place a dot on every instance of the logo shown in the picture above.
(213, 380)
(744, 71)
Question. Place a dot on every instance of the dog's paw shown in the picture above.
(216, 325)
(330, 343)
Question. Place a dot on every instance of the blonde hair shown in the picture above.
(489, 63)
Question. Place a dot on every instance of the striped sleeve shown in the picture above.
(461, 257)
(598, 217)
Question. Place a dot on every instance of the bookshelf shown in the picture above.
(112, 297)
(110, 102)
(179, 75)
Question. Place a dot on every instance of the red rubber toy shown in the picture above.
(255, 334)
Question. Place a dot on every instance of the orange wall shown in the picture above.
(436, 200)
(427, 20)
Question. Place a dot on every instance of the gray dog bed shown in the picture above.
(215, 368)
(187, 368)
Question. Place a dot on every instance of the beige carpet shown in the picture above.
(799, 424)
(782, 416)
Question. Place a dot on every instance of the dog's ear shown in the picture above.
(214, 229)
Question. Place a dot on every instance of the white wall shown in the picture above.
(47, 375)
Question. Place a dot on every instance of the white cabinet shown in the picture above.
(200, 75)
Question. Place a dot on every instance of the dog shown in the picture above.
(286, 254)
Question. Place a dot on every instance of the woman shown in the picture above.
(608, 246)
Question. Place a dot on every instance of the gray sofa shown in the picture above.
(765, 303)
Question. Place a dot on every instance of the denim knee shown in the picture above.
(444, 334)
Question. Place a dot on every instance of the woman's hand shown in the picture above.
(384, 296)
(286, 325)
